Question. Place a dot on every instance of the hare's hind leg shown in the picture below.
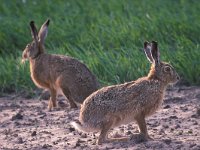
(67, 93)
(52, 101)
(103, 137)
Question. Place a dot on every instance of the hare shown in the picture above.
(57, 72)
(115, 105)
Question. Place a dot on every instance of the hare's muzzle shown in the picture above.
(24, 57)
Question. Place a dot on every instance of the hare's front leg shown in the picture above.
(140, 119)
(67, 93)
(52, 100)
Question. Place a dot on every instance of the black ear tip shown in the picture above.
(47, 22)
(31, 23)
(155, 42)
(146, 43)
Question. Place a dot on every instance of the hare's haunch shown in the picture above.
(132, 101)
(57, 72)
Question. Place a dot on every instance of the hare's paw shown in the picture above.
(101, 141)
(119, 139)
(109, 140)
(73, 106)
(139, 138)
(50, 106)
(56, 109)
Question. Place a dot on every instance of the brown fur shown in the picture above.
(58, 72)
(121, 104)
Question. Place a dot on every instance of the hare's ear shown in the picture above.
(34, 31)
(155, 52)
(43, 31)
(147, 50)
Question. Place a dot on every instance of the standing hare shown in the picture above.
(115, 105)
(56, 72)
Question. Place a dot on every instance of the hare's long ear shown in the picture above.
(155, 52)
(147, 50)
(34, 31)
(43, 31)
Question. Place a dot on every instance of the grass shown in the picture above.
(106, 35)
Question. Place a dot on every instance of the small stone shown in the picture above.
(173, 117)
(192, 145)
(71, 129)
(139, 138)
(77, 145)
(178, 142)
(194, 116)
(180, 132)
(16, 123)
(166, 107)
(80, 141)
(43, 116)
(15, 135)
(161, 131)
(184, 109)
(55, 143)
(196, 147)
(17, 116)
(61, 104)
(83, 135)
(167, 141)
(20, 140)
(177, 126)
(190, 131)
(33, 133)
(179, 146)
(46, 146)
(128, 133)
(195, 123)
(165, 126)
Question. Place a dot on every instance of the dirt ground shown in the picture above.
(27, 124)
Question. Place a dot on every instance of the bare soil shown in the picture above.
(27, 124)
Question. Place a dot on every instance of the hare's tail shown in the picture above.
(84, 128)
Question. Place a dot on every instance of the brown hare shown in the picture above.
(115, 105)
(57, 72)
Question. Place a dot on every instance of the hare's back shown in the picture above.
(76, 75)
(129, 98)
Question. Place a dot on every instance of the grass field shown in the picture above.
(107, 35)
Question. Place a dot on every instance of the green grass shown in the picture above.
(107, 35)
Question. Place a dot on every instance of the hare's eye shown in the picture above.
(167, 69)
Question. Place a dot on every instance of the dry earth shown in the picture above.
(26, 124)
